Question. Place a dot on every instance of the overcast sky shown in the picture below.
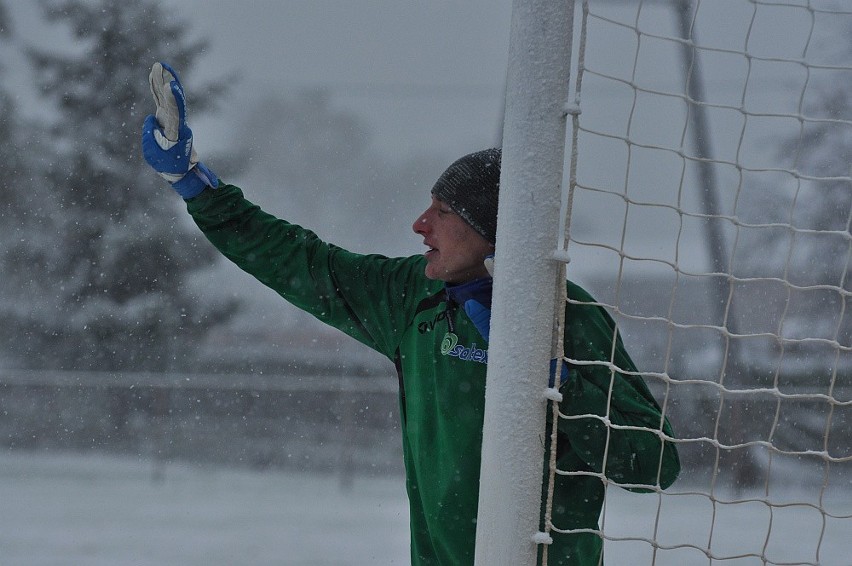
(429, 77)
(423, 75)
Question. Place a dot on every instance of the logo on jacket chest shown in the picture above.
(429, 325)
(450, 347)
(450, 342)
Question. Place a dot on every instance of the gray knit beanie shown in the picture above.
(470, 187)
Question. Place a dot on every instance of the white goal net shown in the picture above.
(707, 202)
(710, 211)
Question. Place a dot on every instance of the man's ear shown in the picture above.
(489, 263)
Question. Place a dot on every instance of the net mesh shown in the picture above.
(707, 207)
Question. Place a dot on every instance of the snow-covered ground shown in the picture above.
(100, 511)
(87, 510)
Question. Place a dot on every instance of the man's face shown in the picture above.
(455, 250)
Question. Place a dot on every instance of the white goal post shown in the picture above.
(531, 174)
(692, 157)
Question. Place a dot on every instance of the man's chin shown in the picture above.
(433, 273)
(430, 274)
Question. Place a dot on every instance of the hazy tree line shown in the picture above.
(98, 261)
(99, 264)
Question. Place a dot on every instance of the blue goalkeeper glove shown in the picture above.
(480, 315)
(167, 139)
(481, 318)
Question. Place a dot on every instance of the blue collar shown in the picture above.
(478, 289)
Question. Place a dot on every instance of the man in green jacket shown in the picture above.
(429, 314)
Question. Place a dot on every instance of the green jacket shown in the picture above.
(389, 305)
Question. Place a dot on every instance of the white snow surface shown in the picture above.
(94, 510)
(100, 511)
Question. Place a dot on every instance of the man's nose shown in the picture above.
(421, 225)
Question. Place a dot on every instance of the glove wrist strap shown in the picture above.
(195, 181)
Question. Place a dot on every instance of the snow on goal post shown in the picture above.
(707, 203)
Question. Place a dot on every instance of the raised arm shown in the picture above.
(365, 296)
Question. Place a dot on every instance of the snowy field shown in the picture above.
(101, 511)
(98, 510)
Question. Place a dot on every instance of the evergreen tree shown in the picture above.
(820, 252)
(23, 214)
(803, 225)
(798, 231)
(5, 29)
(107, 278)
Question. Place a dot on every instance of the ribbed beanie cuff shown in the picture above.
(470, 187)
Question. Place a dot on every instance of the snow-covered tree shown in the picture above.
(23, 213)
(802, 222)
(797, 244)
(102, 276)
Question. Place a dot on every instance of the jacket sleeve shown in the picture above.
(612, 422)
(365, 296)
